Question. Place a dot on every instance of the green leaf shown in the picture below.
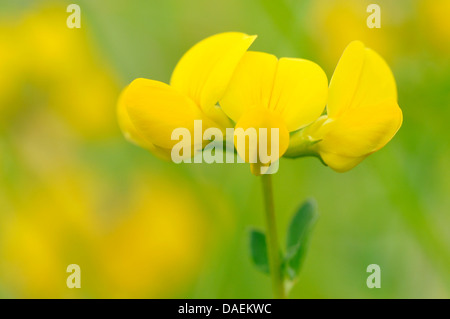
(298, 237)
(258, 250)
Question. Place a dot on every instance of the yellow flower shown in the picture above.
(149, 110)
(266, 92)
(362, 112)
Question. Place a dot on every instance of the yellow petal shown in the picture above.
(155, 110)
(251, 84)
(299, 93)
(359, 133)
(127, 127)
(295, 89)
(132, 135)
(361, 79)
(256, 119)
(204, 72)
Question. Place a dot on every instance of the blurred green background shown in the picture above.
(72, 190)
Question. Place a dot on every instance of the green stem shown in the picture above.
(272, 239)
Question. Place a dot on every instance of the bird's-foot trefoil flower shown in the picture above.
(277, 106)
(362, 112)
(266, 92)
(149, 111)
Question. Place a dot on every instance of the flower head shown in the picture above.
(265, 92)
(362, 112)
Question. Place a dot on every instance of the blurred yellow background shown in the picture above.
(72, 190)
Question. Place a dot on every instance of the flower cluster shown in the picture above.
(219, 82)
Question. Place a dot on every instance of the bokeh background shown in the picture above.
(72, 190)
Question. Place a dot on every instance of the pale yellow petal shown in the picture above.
(251, 84)
(204, 72)
(299, 92)
(361, 79)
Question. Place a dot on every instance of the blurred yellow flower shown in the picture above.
(266, 92)
(147, 244)
(434, 20)
(42, 61)
(157, 248)
(148, 110)
(362, 112)
(334, 24)
(44, 233)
